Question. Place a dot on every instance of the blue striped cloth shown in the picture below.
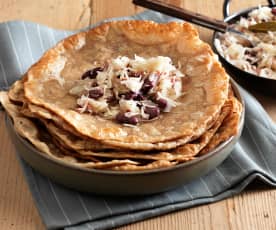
(254, 156)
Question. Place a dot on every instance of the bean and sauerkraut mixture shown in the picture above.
(260, 59)
(130, 90)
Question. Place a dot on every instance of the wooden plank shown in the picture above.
(207, 217)
(17, 210)
(105, 9)
(253, 209)
(65, 14)
(108, 9)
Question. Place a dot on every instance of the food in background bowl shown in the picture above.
(260, 59)
(125, 96)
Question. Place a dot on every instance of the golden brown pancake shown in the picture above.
(49, 81)
(43, 110)
(42, 140)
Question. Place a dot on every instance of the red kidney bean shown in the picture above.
(136, 74)
(128, 95)
(122, 118)
(139, 97)
(92, 73)
(95, 93)
(152, 111)
(111, 99)
(162, 103)
(132, 96)
(147, 86)
(273, 11)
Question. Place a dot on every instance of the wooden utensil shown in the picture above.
(193, 17)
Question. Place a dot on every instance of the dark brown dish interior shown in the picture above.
(249, 81)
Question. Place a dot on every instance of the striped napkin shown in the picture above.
(22, 43)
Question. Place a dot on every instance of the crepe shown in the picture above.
(48, 82)
(229, 127)
(16, 92)
(190, 149)
(68, 133)
(203, 113)
(67, 138)
(118, 160)
(43, 142)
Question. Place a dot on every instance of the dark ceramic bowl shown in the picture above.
(247, 80)
(123, 183)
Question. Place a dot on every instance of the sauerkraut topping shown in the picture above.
(130, 90)
(260, 59)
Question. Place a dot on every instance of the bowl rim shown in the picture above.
(213, 152)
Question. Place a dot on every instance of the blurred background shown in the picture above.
(75, 14)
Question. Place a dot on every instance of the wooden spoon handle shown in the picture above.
(181, 13)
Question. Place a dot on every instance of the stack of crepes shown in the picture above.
(126, 95)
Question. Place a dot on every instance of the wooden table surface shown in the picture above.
(253, 209)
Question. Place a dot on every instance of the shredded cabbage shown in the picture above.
(130, 87)
(259, 60)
